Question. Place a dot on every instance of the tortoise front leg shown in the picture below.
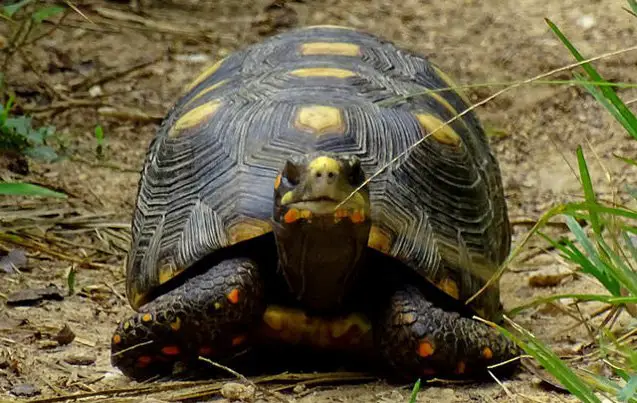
(420, 340)
(209, 315)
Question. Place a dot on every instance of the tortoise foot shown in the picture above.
(419, 340)
(210, 316)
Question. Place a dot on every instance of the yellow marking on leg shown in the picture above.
(323, 72)
(487, 353)
(218, 305)
(143, 361)
(204, 74)
(117, 339)
(357, 216)
(425, 348)
(379, 240)
(233, 296)
(176, 325)
(461, 367)
(170, 350)
(205, 91)
(291, 216)
(330, 48)
(147, 317)
(205, 350)
(450, 287)
(444, 135)
(319, 120)
(247, 229)
(238, 340)
(194, 117)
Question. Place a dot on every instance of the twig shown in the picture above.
(113, 75)
(266, 391)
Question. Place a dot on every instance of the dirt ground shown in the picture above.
(123, 70)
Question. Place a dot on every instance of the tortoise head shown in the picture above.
(321, 232)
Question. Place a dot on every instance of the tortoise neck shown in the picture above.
(321, 260)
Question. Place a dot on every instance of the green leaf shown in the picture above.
(14, 8)
(42, 153)
(629, 390)
(633, 5)
(28, 189)
(587, 184)
(414, 392)
(46, 12)
(21, 125)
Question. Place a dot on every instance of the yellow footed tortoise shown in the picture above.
(245, 234)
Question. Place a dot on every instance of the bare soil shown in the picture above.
(91, 71)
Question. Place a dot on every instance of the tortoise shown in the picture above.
(287, 200)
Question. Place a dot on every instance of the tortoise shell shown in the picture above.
(208, 178)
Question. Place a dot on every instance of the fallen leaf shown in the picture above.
(80, 359)
(25, 389)
(34, 296)
(13, 261)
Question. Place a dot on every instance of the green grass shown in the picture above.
(606, 252)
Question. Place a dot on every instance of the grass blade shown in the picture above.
(607, 299)
(28, 189)
(629, 121)
(552, 363)
(587, 185)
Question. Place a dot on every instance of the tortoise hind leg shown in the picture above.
(209, 315)
(418, 339)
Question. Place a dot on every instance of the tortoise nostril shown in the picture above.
(331, 174)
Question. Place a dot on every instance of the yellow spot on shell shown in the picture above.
(323, 72)
(117, 339)
(205, 74)
(450, 287)
(320, 119)
(379, 240)
(445, 134)
(330, 48)
(451, 83)
(195, 117)
(167, 272)
(205, 91)
(425, 348)
(442, 101)
(176, 325)
(147, 317)
(247, 229)
(277, 182)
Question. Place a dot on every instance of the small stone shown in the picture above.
(549, 277)
(47, 344)
(300, 388)
(80, 359)
(586, 21)
(25, 389)
(65, 336)
(15, 260)
(95, 91)
(238, 392)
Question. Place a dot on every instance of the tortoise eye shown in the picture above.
(290, 175)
